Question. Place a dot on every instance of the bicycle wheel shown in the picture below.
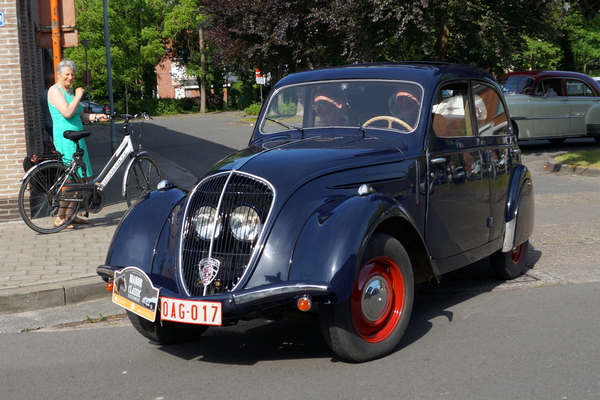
(141, 178)
(40, 197)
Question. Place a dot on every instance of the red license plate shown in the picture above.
(190, 311)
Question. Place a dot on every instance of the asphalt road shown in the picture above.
(534, 343)
(470, 337)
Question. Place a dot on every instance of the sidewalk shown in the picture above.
(44, 271)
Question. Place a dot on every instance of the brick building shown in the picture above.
(22, 70)
(172, 81)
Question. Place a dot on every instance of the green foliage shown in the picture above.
(135, 45)
(290, 108)
(158, 106)
(243, 92)
(539, 55)
(281, 37)
(253, 109)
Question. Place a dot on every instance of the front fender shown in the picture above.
(592, 121)
(331, 242)
(519, 215)
(134, 241)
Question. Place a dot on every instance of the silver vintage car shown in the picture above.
(553, 105)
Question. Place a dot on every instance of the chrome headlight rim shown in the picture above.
(245, 222)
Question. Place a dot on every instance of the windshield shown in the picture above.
(376, 104)
(516, 84)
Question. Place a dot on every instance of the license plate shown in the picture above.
(190, 311)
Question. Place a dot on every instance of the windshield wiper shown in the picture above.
(344, 88)
(301, 130)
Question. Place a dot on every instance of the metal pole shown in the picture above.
(113, 134)
(56, 36)
(86, 44)
(202, 70)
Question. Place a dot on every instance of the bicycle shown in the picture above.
(48, 184)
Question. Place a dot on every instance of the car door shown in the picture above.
(581, 98)
(501, 150)
(551, 112)
(459, 195)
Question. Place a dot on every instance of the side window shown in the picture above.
(578, 88)
(549, 88)
(489, 111)
(451, 113)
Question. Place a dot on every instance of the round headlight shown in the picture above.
(206, 223)
(245, 223)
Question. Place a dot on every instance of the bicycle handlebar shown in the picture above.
(127, 117)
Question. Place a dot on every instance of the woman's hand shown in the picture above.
(100, 118)
(79, 92)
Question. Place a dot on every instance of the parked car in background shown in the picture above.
(92, 107)
(358, 183)
(553, 105)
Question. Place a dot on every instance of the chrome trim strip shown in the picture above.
(509, 235)
(285, 290)
(417, 181)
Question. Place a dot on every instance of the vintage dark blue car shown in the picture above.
(358, 183)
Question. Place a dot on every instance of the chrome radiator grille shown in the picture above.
(209, 229)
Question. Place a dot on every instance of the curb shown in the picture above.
(50, 295)
(555, 166)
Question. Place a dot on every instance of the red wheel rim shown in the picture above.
(516, 254)
(377, 299)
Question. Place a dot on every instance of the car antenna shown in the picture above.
(344, 87)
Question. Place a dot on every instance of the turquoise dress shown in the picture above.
(60, 124)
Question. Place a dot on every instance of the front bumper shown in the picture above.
(239, 303)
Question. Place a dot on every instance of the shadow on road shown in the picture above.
(262, 340)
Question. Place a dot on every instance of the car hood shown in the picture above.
(285, 161)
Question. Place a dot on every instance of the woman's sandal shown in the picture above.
(59, 221)
(76, 220)
(81, 221)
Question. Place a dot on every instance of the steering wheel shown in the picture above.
(390, 121)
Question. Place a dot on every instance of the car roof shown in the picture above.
(594, 83)
(426, 73)
(548, 74)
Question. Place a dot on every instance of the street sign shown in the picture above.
(1, 18)
(261, 81)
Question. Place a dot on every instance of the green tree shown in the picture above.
(582, 34)
(184, 31)
(136, 45)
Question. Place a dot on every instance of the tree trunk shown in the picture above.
(441, 44)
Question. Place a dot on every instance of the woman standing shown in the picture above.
(67, 114)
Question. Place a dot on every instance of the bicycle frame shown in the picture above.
(124, 150)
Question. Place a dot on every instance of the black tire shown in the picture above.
(509, 265)
(360, 330)
(165, 332)
(142, 178)
(557, 141)
(39, 198)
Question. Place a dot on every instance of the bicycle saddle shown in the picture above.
(76, 135)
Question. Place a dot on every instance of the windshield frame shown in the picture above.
(353, 96)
